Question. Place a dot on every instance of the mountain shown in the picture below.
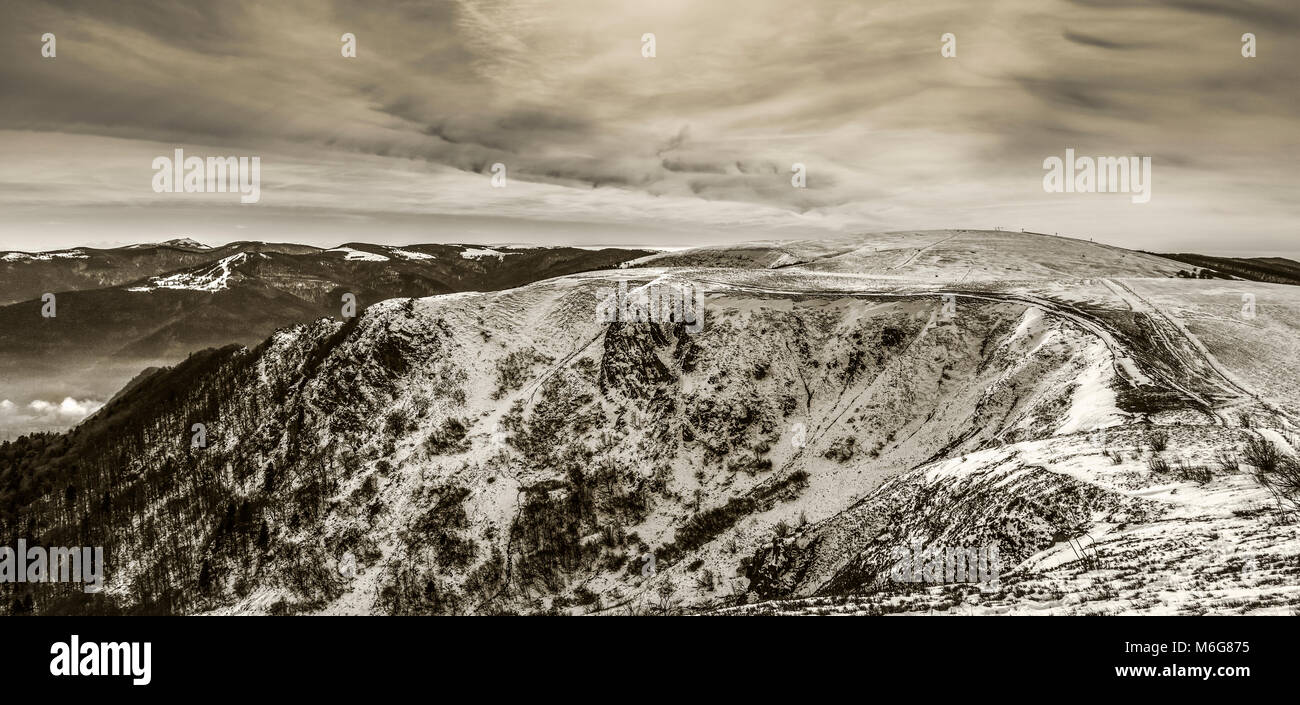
(102, 336)
(1278, 270)
(969, 256)
(1106, 430)
(28, 275)
(186, 242)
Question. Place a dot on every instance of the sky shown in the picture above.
(603, 145)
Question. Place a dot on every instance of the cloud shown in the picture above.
(46, 413)
(1098, 42)
(891, 132)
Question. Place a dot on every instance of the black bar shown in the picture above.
(927, 657)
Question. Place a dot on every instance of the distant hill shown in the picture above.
(121, 311)
(1277, 270)
(932, 255)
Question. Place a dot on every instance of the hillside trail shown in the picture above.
(1238, 393)
(919, 251)
(1124, 364)
(1180, 345)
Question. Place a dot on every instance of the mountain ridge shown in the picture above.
(509, 452)
(155, 313)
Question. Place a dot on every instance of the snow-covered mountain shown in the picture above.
(1099, 421)
(121, 311)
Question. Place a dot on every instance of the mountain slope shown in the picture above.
(25, 276)
(1277, 270)
(507, 452)
(969, 256)
(240, 293)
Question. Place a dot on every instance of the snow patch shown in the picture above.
(478, 253)
(359, 256)
(1093, 404)
(187, 242)
(410, 254)
(213, 278)
(44, 256)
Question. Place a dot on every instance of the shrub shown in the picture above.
(1228, 462)
(584, 596)
(1159, 440)
(397, 423)
(1275, 471)
(1199, 474)
(446, 439)
(1158, 465)
(708, 524)
(1261, 453)
(892, 337)
(512, 370)
(841, 450)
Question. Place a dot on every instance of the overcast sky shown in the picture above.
(605, 146)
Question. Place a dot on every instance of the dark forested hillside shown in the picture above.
(1276, 270)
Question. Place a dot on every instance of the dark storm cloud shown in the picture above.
(215, 28)
(1098, 42)
(1278, 14)
(1071, 93)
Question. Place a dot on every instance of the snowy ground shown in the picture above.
(1014, 422)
